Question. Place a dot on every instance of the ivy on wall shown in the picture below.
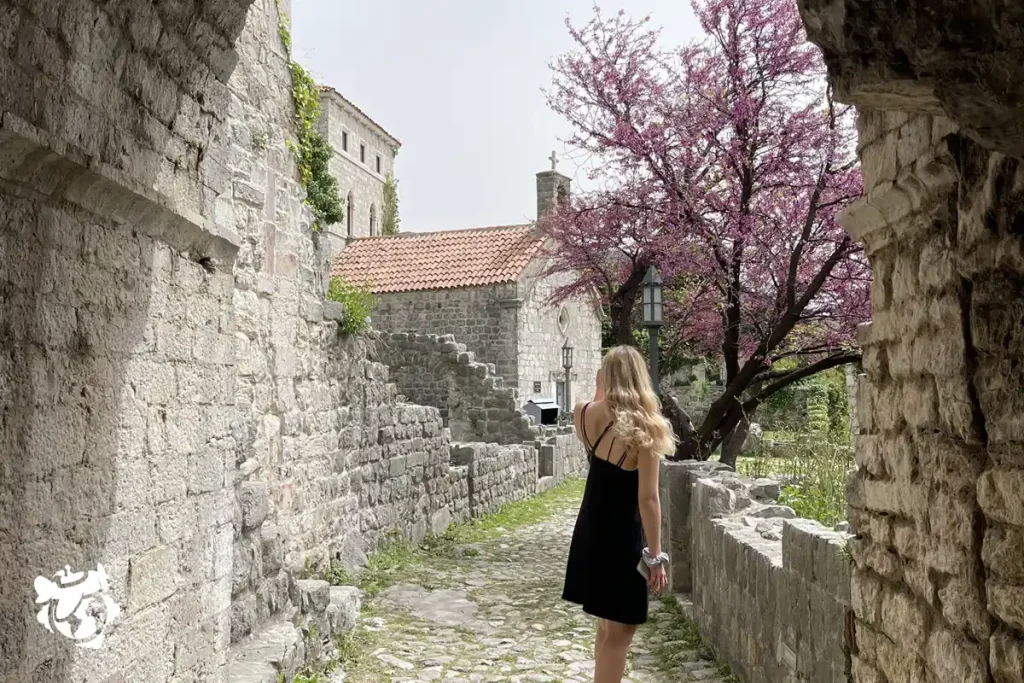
(312, 150)
(391, 221)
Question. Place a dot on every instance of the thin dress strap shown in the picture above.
(593, 449)
(622, 460)
(583, 424)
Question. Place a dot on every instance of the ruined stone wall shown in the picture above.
(331, 459)
(117, 441)
(482, 318)
(497, 474)
(770, 592)
(116, 355)
(438, 371)
(560, 456)
(936, 504)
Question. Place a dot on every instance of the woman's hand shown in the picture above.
(658, 579)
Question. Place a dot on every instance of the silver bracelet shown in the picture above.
(661, 559)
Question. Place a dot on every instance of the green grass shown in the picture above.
(682, 641)
(817, 470)
(394, 556)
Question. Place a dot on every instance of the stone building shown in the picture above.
(364, 155)
(488, 288)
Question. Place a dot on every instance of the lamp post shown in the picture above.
(567, 364)
(652, 317)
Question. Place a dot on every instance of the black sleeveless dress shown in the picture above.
(607, 542)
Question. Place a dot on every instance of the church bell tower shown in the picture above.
(552, 187)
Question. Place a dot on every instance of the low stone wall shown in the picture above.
(560, 455)
(497, 474)
(771, 593)
(474, 402)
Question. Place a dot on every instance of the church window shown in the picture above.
(362, 153)
(344, 140)
(378, 164)
(563, 319)
(373, 220)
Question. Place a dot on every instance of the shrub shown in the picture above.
(815, 469)
(359, 303)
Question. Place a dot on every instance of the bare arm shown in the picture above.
(650, 501)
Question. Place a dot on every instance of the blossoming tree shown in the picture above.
(724, 163)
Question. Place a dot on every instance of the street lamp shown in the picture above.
(652, 316)
(567, 364)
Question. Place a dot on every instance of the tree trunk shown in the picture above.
(732, 446)
(682, 427)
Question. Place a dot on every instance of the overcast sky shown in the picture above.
(459, 83)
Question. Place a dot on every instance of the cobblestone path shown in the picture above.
(491, 611)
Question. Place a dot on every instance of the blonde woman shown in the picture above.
(625, 436)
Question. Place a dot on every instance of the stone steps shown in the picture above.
(303, 639)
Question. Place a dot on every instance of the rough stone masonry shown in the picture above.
(938, 497)
(175, 402)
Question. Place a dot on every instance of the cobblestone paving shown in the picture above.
(492, 611)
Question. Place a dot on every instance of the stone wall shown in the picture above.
(482, 318)
(496, 474)
(116, 349)
(176, 403)
(543, 329)
(118, 437)
(937, 504)
(934, 503)
(770, 593)
(438, 371)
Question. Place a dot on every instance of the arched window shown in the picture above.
(373, 220)
(349, 222)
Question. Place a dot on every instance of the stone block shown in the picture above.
(254, 498)
(1006, 602)
(343, 609)
(952, 658)
(765, 489)
(1006, 656)
(772, 511)
(311, 596)
(1001, 495)
(154, 577)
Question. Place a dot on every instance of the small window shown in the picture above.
(373, 220)
(362, 153)
(536, 387)
(344, 140)
(378, 164)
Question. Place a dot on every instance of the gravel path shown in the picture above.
(492, 611)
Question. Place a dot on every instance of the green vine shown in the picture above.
(391, 221)
(312, 150)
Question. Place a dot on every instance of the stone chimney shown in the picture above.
(552, 186)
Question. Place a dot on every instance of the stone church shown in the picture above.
(488, 287)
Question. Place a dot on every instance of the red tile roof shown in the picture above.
(438, 260)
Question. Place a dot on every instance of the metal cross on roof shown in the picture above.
(554, 160)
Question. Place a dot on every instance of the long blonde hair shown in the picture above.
(634, 406)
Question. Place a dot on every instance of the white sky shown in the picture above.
(459, 83)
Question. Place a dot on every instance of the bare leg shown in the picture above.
(613, 641)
